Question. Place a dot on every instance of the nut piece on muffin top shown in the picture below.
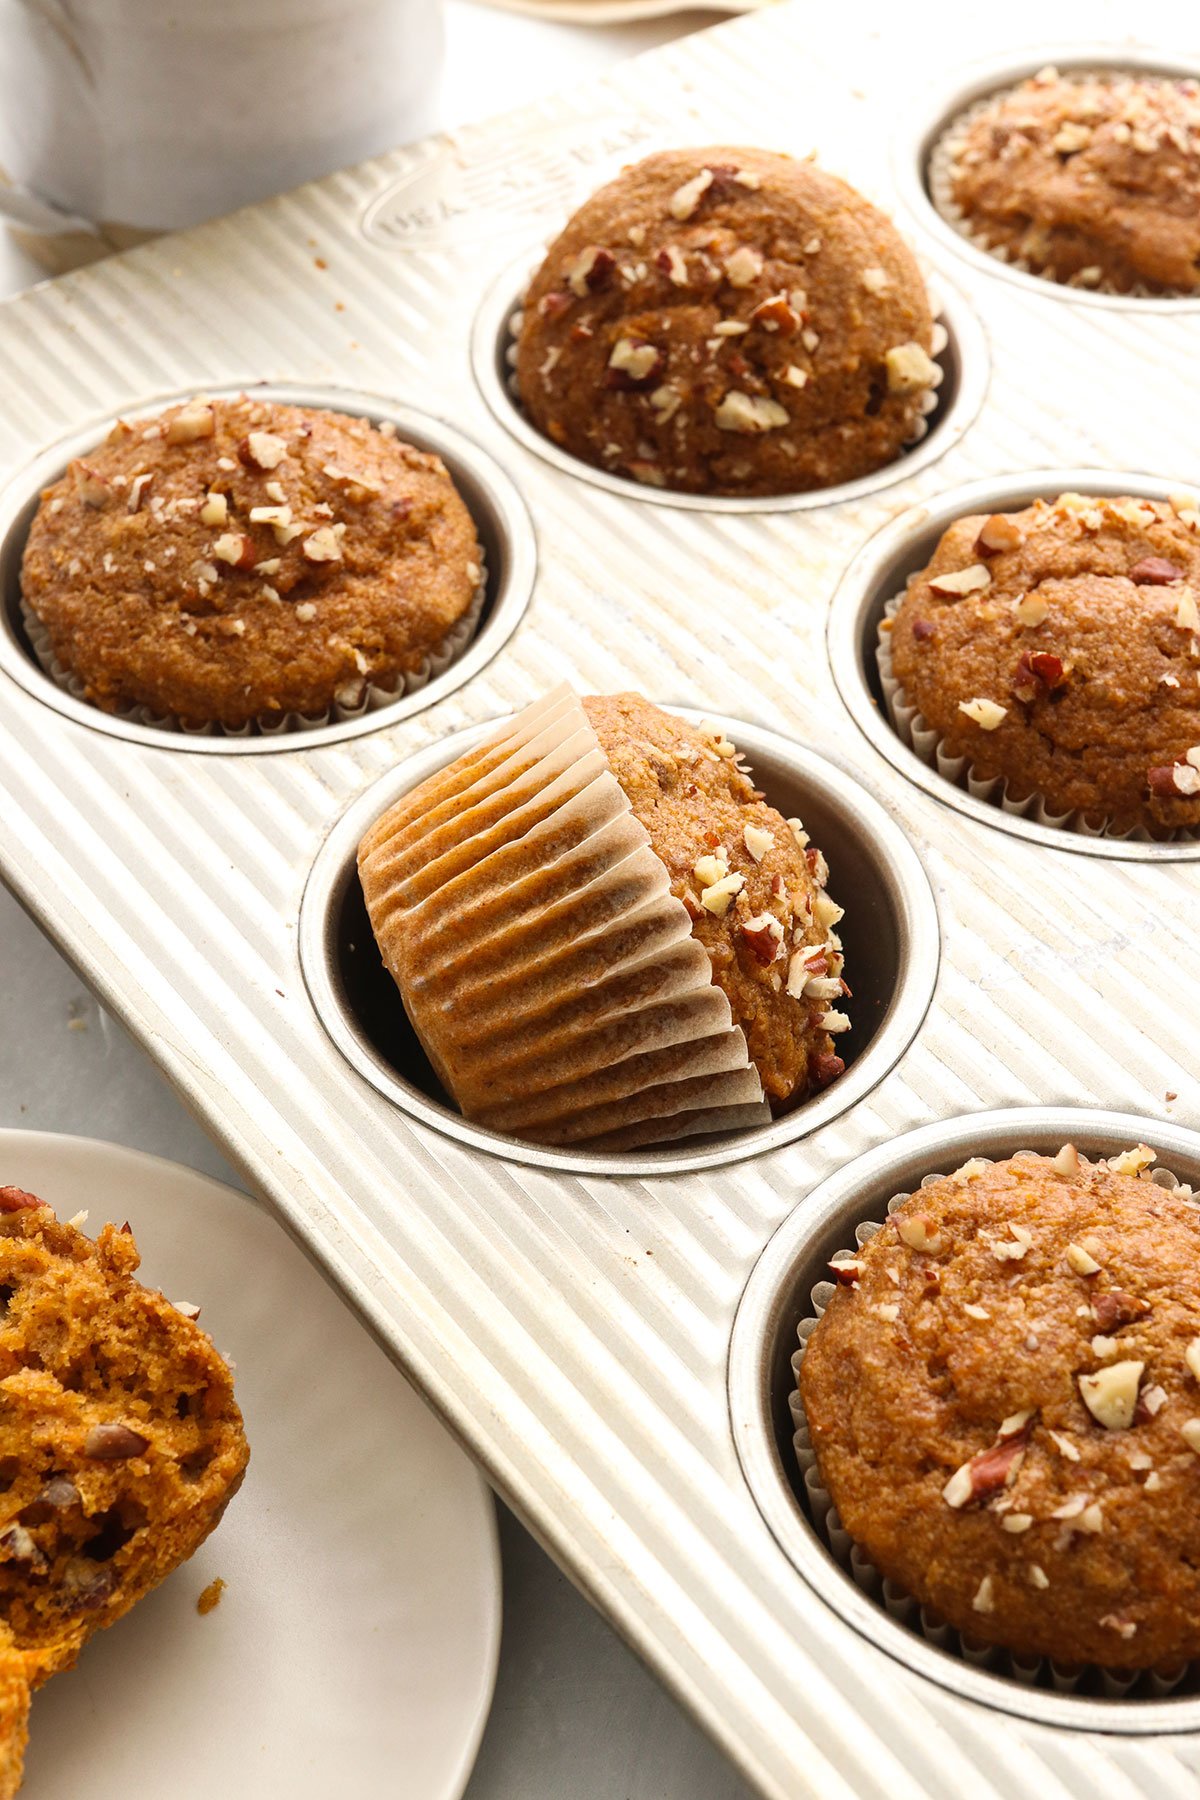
(236, 561)
(1092, 180)
(1059, 647)
(752, 884)
(728, 321)
(1004, 1400)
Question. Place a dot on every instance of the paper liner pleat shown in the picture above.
(435, 662)
(913, 729)
(547, 968)
(896, 1601)
(940, 180)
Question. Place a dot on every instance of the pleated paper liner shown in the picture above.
(895, 1600)
(435, 662)
(927, 403)
(547, 968)
(912, 728)
(940, 179)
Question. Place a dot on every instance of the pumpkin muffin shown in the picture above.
(598, 914)
(1088, 179)
(236, 561)
(1059, 648)
(728, 321)
(1004, 1400)
(120, 1440)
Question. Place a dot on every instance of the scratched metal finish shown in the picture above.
(588, 1374)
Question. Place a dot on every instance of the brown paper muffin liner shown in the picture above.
(913, 729)
(376, 695)
(547, 968)
(940, 179)
(1149, 1684)
(927, 403)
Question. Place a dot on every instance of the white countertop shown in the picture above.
(576, 1717)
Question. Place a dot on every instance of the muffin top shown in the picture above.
(240, 560)
(753, 886)
(1059, 647)
(1004, 1400)
(1093, 180)
(120, 1440)
(728, 321)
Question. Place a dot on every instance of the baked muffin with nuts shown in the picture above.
(1059, 648)
(120, 1440)
(1004, 1401)
(234, 562)
(603, 932)
(728, 321)
(1089, 179)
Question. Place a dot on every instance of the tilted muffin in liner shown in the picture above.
(549, 972)
(901, 1605)
(912, 728)
(940, 173)
(358, 697)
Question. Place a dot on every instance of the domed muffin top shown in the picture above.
(1004, 1399)
(234, 560)
(728, 321)
(1059, 647)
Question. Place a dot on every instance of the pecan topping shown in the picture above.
(114, 1443)
(1114, 1308)
(994, 1468)
(1156, 571)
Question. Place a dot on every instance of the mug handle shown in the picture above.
(27, 211)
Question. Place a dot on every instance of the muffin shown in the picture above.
(1004, 1401)
(1058, 648)
(1089, 179)
(234, 562)
(728, 322)
(601, 931)
(120, 1440)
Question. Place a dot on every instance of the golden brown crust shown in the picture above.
(120, 1440)
(1066, 1537)
(1093, 180)
(146, 609)
(622, 358)
(14, 1716)
(777, 930)
(1085, 632)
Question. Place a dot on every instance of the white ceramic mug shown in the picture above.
(122, 117)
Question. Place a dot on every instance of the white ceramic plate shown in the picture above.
(354, 1649)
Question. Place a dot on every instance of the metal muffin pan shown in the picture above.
(890, 934)
(963, 360)
(501, 519)
(573, 1327)
(880, 571)
(925, 119)
(778, 1296)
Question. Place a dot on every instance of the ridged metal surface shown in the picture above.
(574, 1328)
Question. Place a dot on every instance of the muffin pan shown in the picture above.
(924, 123)
(890, 933)
(762, 1384)
(572, 1321)
(505, 534)
(961, 354)
(878, 575)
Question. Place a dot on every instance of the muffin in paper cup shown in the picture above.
(1109, 1439)
(1088, 178)
(554, 961)
(1062, 640)
(242, 565)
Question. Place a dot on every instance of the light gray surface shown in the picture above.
(576, 1716)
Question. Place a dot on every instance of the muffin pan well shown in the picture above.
(962, 356)
(501, 519)
(570, 1319)
(762, 1384)
(890, 933)
(878, 575)
(926, 118)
